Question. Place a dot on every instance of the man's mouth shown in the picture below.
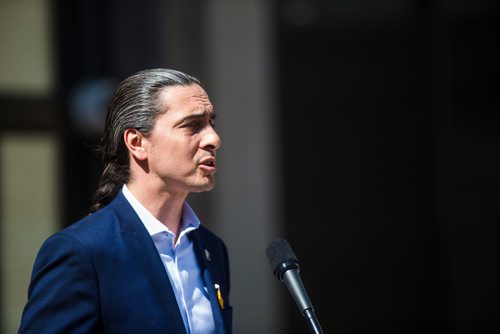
(208, 165)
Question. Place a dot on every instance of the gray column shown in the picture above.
(246, 199)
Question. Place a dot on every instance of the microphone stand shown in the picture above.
(293, 282)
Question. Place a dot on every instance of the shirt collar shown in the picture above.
(189, 220)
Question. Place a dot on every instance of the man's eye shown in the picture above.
(197, 125)
(194, 126)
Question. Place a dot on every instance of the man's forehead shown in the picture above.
(182, 100)
(191, 97)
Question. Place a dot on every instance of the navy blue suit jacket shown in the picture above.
(103, 274)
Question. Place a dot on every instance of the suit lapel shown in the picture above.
(144, 253)
(209, 275)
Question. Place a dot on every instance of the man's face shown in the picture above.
(181, 147)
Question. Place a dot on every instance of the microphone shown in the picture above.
(285, 267)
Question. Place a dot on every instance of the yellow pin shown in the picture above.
(219, 296)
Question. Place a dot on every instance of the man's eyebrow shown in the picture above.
(202, 115)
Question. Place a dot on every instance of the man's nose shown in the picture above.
(211, 139)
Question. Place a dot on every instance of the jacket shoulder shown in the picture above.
(93, 227)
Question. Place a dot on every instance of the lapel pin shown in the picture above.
(207, 255)
(219, 296)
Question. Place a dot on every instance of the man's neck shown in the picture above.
(163, 205)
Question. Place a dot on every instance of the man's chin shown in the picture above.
(204, 187)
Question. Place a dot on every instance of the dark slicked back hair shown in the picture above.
(134, 105)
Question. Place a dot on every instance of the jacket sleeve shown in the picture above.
(63, 292)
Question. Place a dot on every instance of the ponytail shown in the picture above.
(112, 179)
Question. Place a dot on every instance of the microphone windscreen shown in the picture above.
(279, 252)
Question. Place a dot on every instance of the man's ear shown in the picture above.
(135, 140)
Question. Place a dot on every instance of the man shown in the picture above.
(141, 262)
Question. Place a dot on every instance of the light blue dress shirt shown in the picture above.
(181, 265)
